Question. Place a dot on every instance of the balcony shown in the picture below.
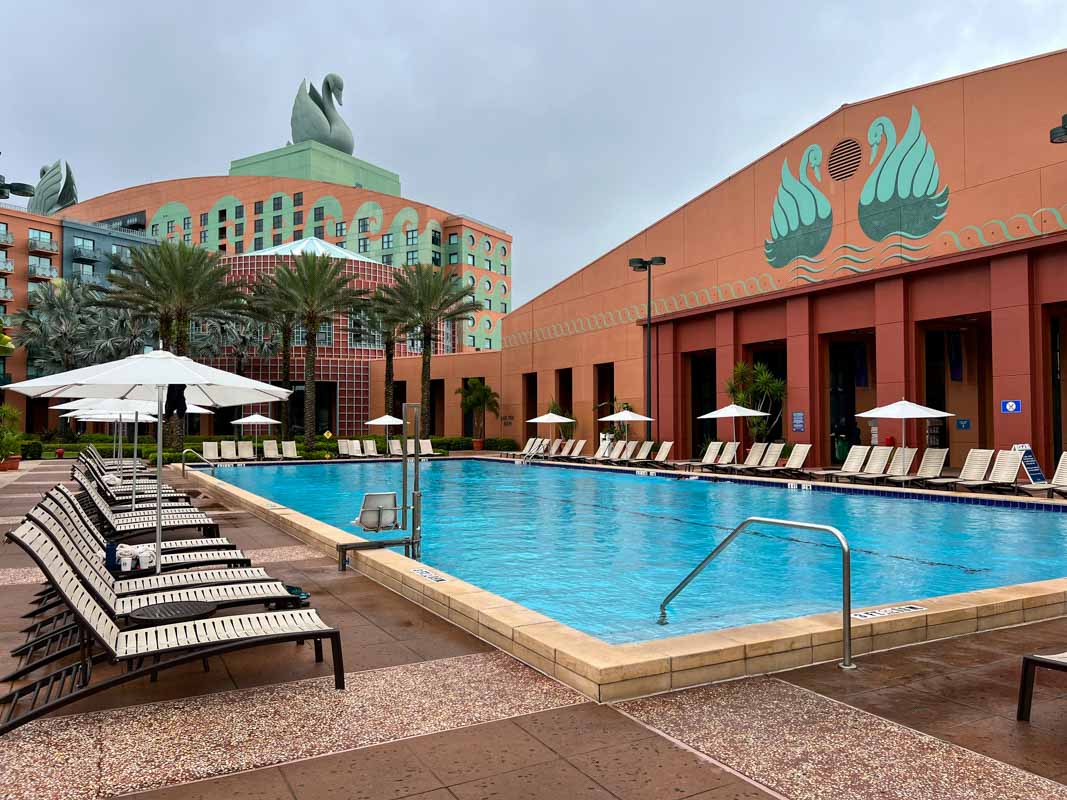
(6, 238)
(85, 255)
(7, 321)
(6, 294)
(45, 246)
(5, 378)
(41, 272)
(7, 265)
(92, 278)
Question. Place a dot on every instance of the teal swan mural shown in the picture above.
(901, 203)
(802, 219)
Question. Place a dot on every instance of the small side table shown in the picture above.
(169, 613)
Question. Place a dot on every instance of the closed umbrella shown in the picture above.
(733, 411)
(157, 375)
(551, 418)
(626, 416)
(904, 410)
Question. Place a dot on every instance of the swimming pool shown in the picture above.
(598, 550)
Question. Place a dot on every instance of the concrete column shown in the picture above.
(666, 384)
(1013, 341)
(801, 372)
(894, 367)
(453, 410)
(727, 353)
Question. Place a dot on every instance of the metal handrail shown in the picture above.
(846, 575)
(211, 464)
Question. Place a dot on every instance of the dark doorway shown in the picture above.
(1056, 404)
(934, 377)
(325, 410)
(702, 397)
(773, 355)
(437, 405)
(400, 396)
(565, 391)
(468, 416)
(529, 402)
(604, 392)
(849, 369)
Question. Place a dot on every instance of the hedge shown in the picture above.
(503, 444)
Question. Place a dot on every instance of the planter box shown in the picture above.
(10, 463)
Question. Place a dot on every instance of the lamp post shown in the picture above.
(18, 189)
(1058, 135)
(645, 265)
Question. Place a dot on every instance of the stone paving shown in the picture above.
(432, 713)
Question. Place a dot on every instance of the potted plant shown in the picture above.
(10, 438)
(478, 398)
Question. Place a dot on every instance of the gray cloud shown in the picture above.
(572, 125)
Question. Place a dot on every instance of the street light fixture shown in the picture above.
(645, 265)
(1058, 135)
(18, 189)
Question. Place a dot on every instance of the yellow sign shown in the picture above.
(328, 435)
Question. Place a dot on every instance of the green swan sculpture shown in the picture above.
(801, 219)
(901, 194)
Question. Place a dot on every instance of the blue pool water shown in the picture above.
(598, 551)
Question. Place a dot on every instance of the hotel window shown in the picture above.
(238, 247)
(411, 258)
(470, 239)
(187, 223)
(435, 257)
(504, 308)
(340, 228)
(203, 236)
(203, 220)
(488, 304)
(277, 222)
(277, 239)
(340, 243)
(387, 259)
(40, 261)
(488, 344)
(298, 199)
(471, 260)
(320, 231)
(489, 264)
(319, 213)
(257, 226)
(238, 212)
(222, 247)
(453, 238)
(257, 243)
(187, 238)
(238, 229)
(471, 280)
(453, 258)
(298, 234)
(503, 268)
(363, 224)
(362, 334)
(121, 252)
(412, 238)
(277, 203)
(362, 245)
(222, 232)
(435, 238)
(155, 229)
(472, 298)
(387, 241)
(222, 215)
(298, 217)
(471, 341)
(88, 244)
(324, 338)
(258, 207)
(170, 226)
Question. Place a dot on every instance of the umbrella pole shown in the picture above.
(159, 478)
(735, 439)
(122, 461)
(133, 493)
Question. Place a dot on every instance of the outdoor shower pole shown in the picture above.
(416, 494)
(404, 463)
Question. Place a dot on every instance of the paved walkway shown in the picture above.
(433, 713)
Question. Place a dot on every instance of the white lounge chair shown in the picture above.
(710, 454)
(899, 465)
(210, 451)
(270, 450)
(601, 453)
(1057, 484)
(246, 451)
(875, 466)
(570, 448)
(753, 459)
(524, 451)
(229, 450)
(1003, 477)
(611, 452)
(974, 468)
(794, 464)
(658, 460)
(343, 450)
(425, 447)
(853, 463)
(770, 457)
(355, 449)
(370, 448)
(642, 452)
(395, 449)
(289, 450)
(931, 466)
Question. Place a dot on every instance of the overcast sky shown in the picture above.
(571, 125)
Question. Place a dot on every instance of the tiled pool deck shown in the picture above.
(432, 712)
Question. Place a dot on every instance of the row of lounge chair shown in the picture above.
(629, 453)
(225, 450)
(81, 618)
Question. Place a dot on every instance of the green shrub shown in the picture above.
(450, 443)
(31, 451)
(504, 444)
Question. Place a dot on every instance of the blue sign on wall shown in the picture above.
(1011, 406)
(798, 422)
(963, 424)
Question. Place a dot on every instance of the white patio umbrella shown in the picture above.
(385, 421)
(255, 419)
(626, 416)
(551, 419)
(733, 411)
(904, 410)
(148, 376)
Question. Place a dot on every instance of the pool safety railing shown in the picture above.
(211, 464)
(846, 574)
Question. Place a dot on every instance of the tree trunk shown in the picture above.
(427, 409)
(174, 434)
(390, 354)
(310, 351)
(287, 361)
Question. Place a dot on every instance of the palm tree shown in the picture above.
(423, 298)
(55, 325)
(246, 340)
(316, 289)
(269, 305)
(373, 317)
(478, 397)
(755, 386)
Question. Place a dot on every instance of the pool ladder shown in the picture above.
(846, 574)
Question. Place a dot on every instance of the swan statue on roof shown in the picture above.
(54, 191)
(901, 194)
(315, 117)
(801, 218)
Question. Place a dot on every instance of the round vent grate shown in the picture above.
(844, 159)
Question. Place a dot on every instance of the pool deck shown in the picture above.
(432, 712)
(610, 672)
